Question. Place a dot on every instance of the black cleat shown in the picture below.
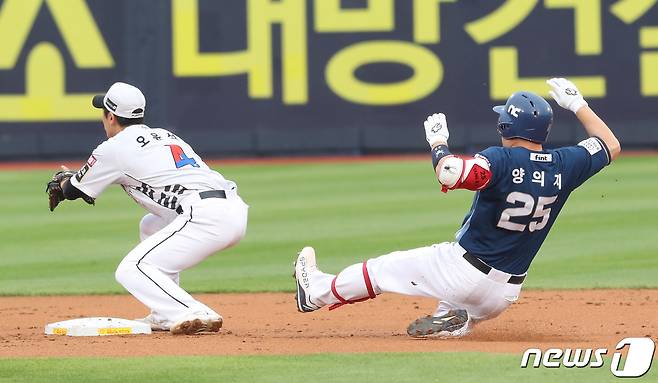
(453, 324)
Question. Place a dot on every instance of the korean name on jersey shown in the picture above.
(154, 166)
(510, 218)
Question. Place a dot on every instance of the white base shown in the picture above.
(97, 326)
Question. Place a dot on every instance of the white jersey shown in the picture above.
(154, 166)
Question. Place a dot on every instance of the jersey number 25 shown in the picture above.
(541, 212)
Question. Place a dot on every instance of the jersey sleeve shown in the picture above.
(100, 171)
(585, 159)
(497, 159)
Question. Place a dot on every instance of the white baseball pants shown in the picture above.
(438, 271)
(150, 272)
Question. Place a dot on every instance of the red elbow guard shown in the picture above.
(475, 174)
(477, 178)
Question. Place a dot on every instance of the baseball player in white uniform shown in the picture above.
(193, 211)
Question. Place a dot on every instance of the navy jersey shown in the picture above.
(512, 215)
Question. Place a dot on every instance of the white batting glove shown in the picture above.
(566, 94)
(436, 129)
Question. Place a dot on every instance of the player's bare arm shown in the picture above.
(567, 95)
(453, 171)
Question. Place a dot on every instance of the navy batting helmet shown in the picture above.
(525, 115)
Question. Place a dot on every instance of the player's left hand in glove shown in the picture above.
(566, 94)
(54, 188)
(436, 129)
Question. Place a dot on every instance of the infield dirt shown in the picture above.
(268, 323)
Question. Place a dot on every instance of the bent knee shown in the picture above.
(240, 232)
(233, 234)
(124, 271)
(231, 238)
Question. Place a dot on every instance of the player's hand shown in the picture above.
(54, 187)
(566, 94)
(436, 129)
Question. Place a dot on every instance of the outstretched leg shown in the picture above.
(428, 271)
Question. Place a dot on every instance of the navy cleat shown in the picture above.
(453, 324)
(304, 266)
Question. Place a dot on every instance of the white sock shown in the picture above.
(350, 285)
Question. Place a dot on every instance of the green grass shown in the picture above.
(348, 211)
(335, 368)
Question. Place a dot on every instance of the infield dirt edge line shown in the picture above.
(286, 160)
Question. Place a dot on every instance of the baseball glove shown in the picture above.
(55, 192)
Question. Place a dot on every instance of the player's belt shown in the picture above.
(483, 267)
(206, 194)
(212, 194)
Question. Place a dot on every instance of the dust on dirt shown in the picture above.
(268, 323)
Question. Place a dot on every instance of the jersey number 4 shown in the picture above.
(180, 158)
(541, 211)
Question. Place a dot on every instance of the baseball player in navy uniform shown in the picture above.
(193, 211)
(520, 188)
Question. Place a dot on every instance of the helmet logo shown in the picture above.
(514, 111)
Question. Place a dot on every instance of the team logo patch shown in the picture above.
(81, 173)
(91, 161)
(513, 110)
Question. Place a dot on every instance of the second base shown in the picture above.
(97, 326)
